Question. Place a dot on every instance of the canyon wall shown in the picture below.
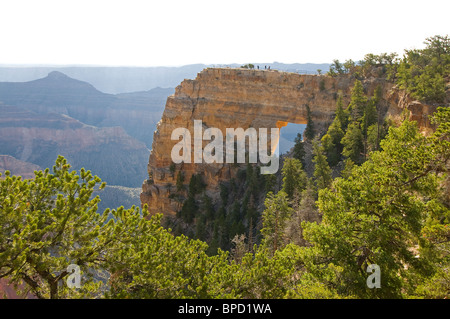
(242, 98)
(39, 139)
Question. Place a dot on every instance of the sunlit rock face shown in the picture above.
(243, 98)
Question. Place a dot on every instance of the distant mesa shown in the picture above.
(57, 75)
(58, 115)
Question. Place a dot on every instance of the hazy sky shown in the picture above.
(150, 33)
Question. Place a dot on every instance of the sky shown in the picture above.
(175, 33)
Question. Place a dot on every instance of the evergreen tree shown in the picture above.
(180, 181)
(330, 149)
(353, 143)
(342, 115)
(51, 222)
(299, 150)
(331, 141)
(294, 177)
(378, 214)
(358, 101)
(422, 73)
(348, 168)
(309, 130)
(189, 209)
(322, 171)
(304, 209)
(274, 218)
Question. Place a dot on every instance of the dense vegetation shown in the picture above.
(315, 237)
(391, 211)
(423, 73)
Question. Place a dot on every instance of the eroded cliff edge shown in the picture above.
(242, 98)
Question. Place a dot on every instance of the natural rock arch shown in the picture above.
(231, 98)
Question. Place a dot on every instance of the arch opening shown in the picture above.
(288, 133)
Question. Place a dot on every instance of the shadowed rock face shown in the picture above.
(106, 133)
(17, 167)
(40, 138)
(60, 94)
(241, 98)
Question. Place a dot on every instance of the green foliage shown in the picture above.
(377, 214)
(322, 85)
(341, 115)
(156, 264)
(322, 171)
(48, 223)
(381, 59)
(353, 143)
(189, 209)
(294, 178)
(370, 116)
(309, 130)
(51, 221)
(358, 101)
(330, 149)
(180, 181)
(248, 66)
(348, 168)
(376, 133)
(274, 218)
(349, 65)
(196, 184)
(331, 142)
(270, 182)
(172, 169)
(299, 150)
(422, 73)
(336, 68)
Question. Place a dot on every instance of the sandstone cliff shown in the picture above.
(241, 98)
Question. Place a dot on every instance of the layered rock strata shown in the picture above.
(242, 98)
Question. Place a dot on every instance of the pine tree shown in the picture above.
(332, 141)
(330, 149)
(51, 222)
(322, 171)
(348, 168)
(371, 112)
(294, 177)
(342, 115)
(299, 150)
(353, 143)
(376, 215)
(274, 218)
(358, 101)
(180, 181)
(309, 130)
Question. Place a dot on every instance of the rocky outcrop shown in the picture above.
(418, 111)
(242, 98)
